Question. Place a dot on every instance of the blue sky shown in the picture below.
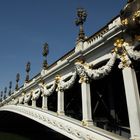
(25, 25)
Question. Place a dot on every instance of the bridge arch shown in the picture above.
(71, 128)
(17, 126)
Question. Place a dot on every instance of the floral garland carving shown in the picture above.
(27, 97)
(15, 101)
(47, 91)
(85, 71)
(36, 94)
(62, 85)
(80, 68)
(131, 52)
(21, 99)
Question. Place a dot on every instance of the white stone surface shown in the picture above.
(86, 103)
(133, 101)
(60, 102)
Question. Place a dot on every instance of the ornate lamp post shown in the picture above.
(81, 13)
(45, 53)
(10, 87)
(1, 96)
(17, 80)
(27, 71)
(5, 91)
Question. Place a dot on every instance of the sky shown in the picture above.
(25, 25)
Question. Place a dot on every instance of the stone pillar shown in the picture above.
(86, 103)
(133, 101)
(60, 102)
(33, 102)
(45, 102)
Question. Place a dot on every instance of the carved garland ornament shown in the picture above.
(131, 52)
(27, 97)
(85, 71)
(21, 99)
(80, 68)
(36, 94)
(62, 85)
(47, 91)
(15, 101)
